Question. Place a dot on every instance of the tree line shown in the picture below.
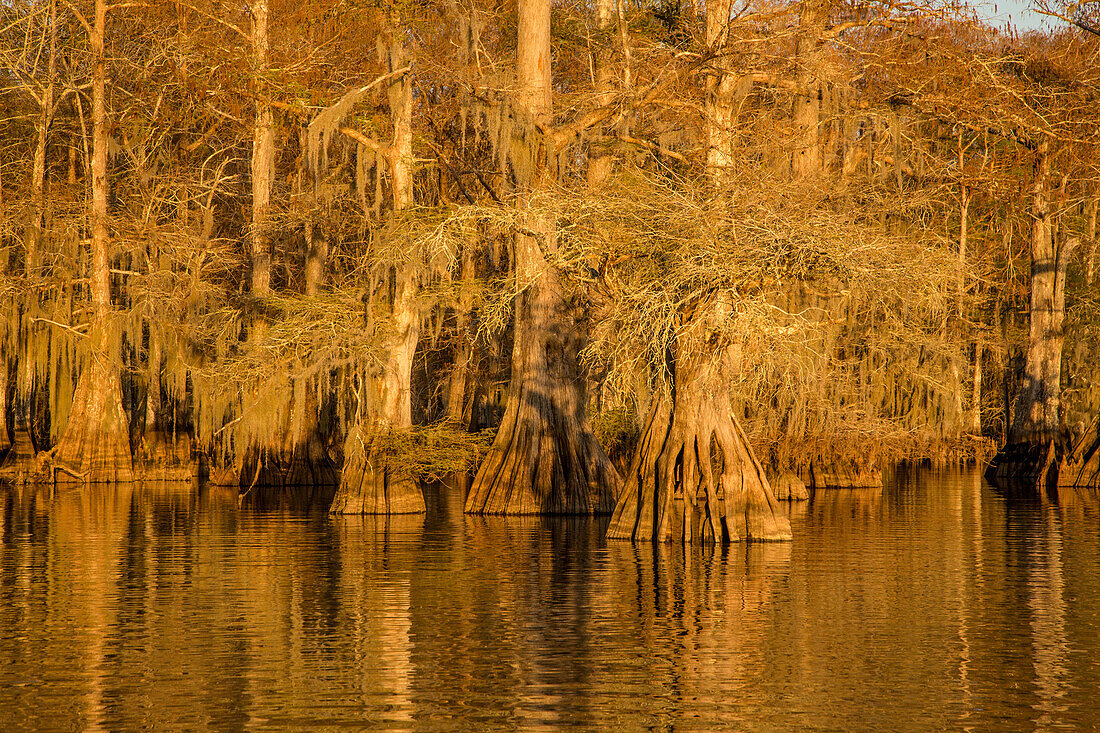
(665, 260)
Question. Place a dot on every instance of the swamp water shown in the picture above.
(933, 604)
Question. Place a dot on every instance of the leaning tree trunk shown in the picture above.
(95, 446)
(375, 480)
(545, 458)
(694, 477)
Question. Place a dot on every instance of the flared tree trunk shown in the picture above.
(95, 446)
(545, 458)
(374, 480)
(694, 477)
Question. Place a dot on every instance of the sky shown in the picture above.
(1018, 12)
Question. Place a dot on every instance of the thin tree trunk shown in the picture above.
(976, 392)
(263, 156)
(599, 156)
(964, 212)
(309, 464)
(1090, 268)
(95, 445)
(545, 458)
(460, 373)
(38, 172)
(5, 441)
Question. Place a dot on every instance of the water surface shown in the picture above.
(936, 603)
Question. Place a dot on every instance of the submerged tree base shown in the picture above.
(694, 478)
(163, 456)
(95, 447)
(789, 487)
(374, 481)
(310, 465)
(839, 474)
(545, 460)
(1043, 464)
(20, 465)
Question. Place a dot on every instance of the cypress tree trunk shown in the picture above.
(463, 353)
(693, 477)
(721, 89)
(310, 464)
(599, 155)
(263, 157)
(373, 481)
(1036, 418)
(806, 160)
(95, 446)
(33, 236)
(5, 441)
(1035, 450)
(545, 458)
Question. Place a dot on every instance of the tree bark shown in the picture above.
(309, 464)
(721, 90)
(95, 446)
(599, 156)
(1090, 267)
(463, 352)
(5, 441)
(694, 477)
(33, 235)
(263, 156)
(806, 161)
(1035, 447)
(545, 458)
(1036, 417)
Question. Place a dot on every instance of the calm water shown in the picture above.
(934, 604)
